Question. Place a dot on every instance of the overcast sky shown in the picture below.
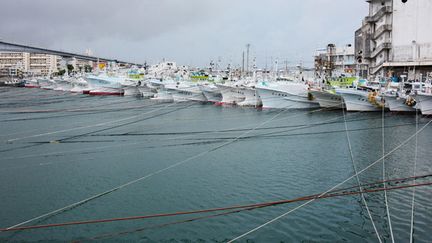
(191, 32)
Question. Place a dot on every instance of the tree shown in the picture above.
(88, 68)
(61, 72)
(70, 68)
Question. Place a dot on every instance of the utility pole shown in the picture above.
(247, 58)
(243, 63)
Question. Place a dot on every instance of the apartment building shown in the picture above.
(335, 61)
(12, 63)
(395, 39)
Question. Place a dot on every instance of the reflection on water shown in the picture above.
(58, 149)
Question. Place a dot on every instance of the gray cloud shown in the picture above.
(188, 31)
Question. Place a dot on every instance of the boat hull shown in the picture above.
(185, 94)
(424, 103)
(163, 96)
(212, 94)
(357, 101)
(328, 100)
(276, 99)
(230, 95)
(251, 97)
(394, 103)
(131, 91)
(146, 91)
(106, 91)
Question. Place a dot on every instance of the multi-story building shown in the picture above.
(335, 61)
(395, 38)
(12, 63)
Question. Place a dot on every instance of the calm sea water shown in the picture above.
(60, 148)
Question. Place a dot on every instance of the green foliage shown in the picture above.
(88, 68)
(70, 68)
(60, 72)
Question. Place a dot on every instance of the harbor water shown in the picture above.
(61, 148)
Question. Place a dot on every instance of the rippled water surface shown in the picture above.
(59, 148)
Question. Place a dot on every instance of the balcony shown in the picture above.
(383, 11)
(39, 64)
(381, 30)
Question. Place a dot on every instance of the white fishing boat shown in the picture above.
(47, 83)
(424, 97)
(286, 95)
(424, 101)
(211, 92)
(105, 85)
(358, 100)
(397, 96)
(182, 91)
(80, 85)
(63, 84)
(399, 102)
(131, 87)
(146, 91)
(328, 99)
(163, 96)
(31, 83)
(252, 98)
(231, 95)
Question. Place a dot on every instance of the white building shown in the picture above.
(335, 60)
(30, 63)
(396, 38)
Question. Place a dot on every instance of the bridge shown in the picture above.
(13, 47)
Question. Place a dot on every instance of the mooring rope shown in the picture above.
(110, 235)
(357, 178)
(334, 193)
(414, 173)
(89, 126)
(73, 205)
(334, 187)
(384, 175)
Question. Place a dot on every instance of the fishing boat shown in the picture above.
(286, 95)
(80, 85)
(47, 83)
(63, 84)
(211, 92)
(424, 97)
(163, 96)
(104, 84)
(363, 96)
(131, 87)
(31, 83)
(397, 97)
(357, 100)
(131, 83)
(328, 98)
(231, 95)
(182, 91)
(250, 93)
(146, 91)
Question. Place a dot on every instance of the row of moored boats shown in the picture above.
(279, 93)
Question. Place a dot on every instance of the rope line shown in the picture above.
(111, 235)
(334, 187)
(414, 173)
(384, 176)
(89, 126)
(335, 193)
(73, 205)
(358, 180)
